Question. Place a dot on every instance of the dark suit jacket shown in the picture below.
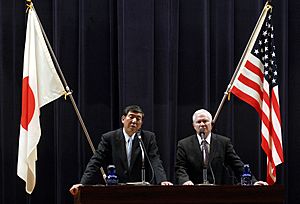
(112, 150)
(189, 161)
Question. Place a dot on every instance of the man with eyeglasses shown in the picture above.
(121, 148)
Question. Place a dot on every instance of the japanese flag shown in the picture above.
(41, 85)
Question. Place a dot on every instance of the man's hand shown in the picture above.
(166, 183)
(74, 189)
(188, 183)
(260, 183)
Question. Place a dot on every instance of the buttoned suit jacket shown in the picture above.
(112, 151)
(189, 161)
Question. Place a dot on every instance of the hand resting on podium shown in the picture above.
(75, 188)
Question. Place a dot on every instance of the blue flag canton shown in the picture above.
(264, 49)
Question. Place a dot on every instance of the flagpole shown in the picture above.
(226, 93)
(69, 92)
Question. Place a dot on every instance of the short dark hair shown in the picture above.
(134, 109)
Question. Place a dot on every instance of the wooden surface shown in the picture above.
(180, 194)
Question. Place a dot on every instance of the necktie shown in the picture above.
(128, 150)
(204, 145)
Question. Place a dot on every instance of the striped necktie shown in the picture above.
(204, 145)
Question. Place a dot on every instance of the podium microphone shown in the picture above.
(143, 157)
(202, 133)
(144, 153)
(206, 164)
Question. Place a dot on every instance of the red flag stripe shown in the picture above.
(277, 144)
(271, 173)
(269, 123)
(266, 96)
(273, 139)
(248, 99)
(275, 103)
(257, 84)
(252, 84)
(256, 70)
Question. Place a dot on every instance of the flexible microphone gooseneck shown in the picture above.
(205, 165)
(143, 161)
(143, 149)
(212, 173)
(202, 133)
(205, 156)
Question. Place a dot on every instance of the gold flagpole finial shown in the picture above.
(228, 97)
(268, 5)
(29, 5)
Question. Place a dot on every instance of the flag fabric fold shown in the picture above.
(257, 84)
(41, 85)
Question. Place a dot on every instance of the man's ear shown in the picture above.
(123, 118)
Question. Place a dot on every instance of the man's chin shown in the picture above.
(133, 129)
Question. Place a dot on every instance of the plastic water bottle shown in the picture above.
(112, 178)
(246, 178)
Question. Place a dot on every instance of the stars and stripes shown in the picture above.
(257, 84)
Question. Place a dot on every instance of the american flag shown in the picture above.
(257, 84)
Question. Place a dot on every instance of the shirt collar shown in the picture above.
(127, 136)
(208, 138)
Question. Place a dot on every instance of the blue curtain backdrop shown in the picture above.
(171, 57)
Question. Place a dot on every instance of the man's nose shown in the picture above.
(134, 120)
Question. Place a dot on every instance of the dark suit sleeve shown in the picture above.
(235, 161)
(181, 166)
(159, 172)
(92, 174)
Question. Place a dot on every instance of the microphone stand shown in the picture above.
(143, 161)
(144, 153)
(204, 153)
(204, 172)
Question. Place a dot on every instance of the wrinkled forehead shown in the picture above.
(202, 113)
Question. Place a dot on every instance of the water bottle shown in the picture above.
(112, 178)
(246, 178)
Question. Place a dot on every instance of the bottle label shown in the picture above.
(246, 180)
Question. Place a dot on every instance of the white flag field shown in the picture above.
(41, 85)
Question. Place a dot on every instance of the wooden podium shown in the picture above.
(180, 194)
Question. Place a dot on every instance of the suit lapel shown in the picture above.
(135, 151)
(197, 148)
(213, 144)
(121, 148)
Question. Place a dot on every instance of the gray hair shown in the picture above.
(202, 112)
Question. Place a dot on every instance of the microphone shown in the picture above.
(206, 163)
(143, 157)
(144, 153)
(202, 133)
(205, 156)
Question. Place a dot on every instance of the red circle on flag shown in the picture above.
(28, 103)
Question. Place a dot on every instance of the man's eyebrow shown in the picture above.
(132, 114)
